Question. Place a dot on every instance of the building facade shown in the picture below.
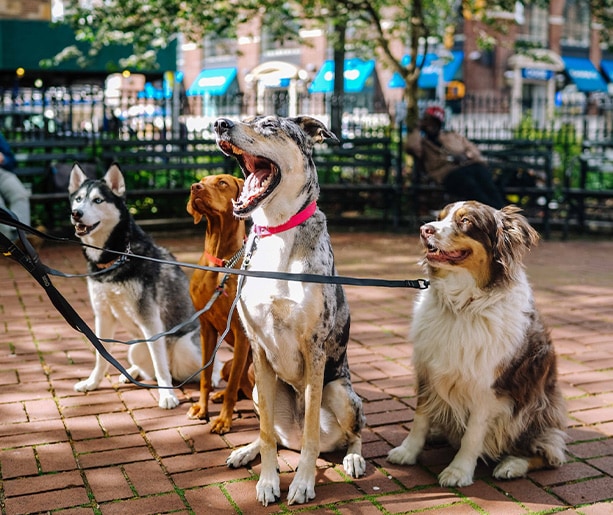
(548, 59)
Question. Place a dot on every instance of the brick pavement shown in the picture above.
(114, 451)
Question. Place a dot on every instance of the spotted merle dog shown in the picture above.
(298, 330)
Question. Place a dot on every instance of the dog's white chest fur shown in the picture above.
(461, 338)
(280, 314)
(120, 300)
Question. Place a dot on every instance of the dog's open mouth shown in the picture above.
(83, 230)
(261, 177)
(451, 256)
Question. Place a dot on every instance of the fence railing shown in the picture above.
(30, 113)
(46, 126)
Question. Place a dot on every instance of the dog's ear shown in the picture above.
(515, 235)
(315, 129)
(77, 177)
(115, 181)
(197, 216)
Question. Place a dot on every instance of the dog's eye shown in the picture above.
(269, 126)
(223, 183)
(465, 221)
(78, 199)
(98, 200)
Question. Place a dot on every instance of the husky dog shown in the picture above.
(298, 331)
(145, 297)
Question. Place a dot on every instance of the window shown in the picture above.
(576, 29)
(536, 26)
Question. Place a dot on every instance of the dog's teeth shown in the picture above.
(237, 151)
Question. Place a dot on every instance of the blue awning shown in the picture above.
(428, 78)
(584, 74)
(607, 68)
(214, 81)
(357, 72)
(151, 92)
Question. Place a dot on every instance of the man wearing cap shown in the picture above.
(452, 161)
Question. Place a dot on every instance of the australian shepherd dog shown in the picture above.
(484, 360)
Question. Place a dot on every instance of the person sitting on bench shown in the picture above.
(452, 160)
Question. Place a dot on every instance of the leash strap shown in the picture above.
(218, 291)
(33, 266)
(420, 284)
(30, 261)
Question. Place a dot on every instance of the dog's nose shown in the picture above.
(427, 230)
(197, 186)
(76, 214)
(222, 125)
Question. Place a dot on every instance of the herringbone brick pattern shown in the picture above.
(114, 451)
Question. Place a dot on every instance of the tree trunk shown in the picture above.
(338, 94)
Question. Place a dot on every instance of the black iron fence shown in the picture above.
(367, 176)
(31, 113)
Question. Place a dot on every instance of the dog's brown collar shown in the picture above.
(119, 260)
(104, 266)
(294, 221)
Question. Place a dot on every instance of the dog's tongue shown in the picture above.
(439, 255)
(253, 185)
(81, 229)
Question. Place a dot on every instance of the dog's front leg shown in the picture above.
(208, 337)
(408, 451)
(159, 356)
(104, 323)
(302, 488)
(268, 488)
(158, 350)
(460, 471)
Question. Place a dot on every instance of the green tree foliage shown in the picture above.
(389, 27)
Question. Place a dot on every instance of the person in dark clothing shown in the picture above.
(452, 160)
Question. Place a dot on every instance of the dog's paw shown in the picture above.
(242, 456)
(217, 397)
(511, 467)
(302, 489)
(268, 490)
(197, 412)
(455, 476)
(135, 373)
(221, 425)
(168, 400)
(354, 465)
(86, 385)
(402, 456)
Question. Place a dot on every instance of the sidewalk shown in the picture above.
(113, 451)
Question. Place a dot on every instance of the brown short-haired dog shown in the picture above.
(212, 198)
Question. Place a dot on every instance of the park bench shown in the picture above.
(356, 176)
(159, 174)
(588, 186)
(521, 168)
(357, 180)
(44, 167)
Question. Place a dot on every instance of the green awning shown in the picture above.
(24, 43)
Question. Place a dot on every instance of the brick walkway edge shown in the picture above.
(113, 451)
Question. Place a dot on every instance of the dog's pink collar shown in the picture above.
(294, 221)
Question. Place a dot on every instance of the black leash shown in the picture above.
(420, 284)
(30, 261)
